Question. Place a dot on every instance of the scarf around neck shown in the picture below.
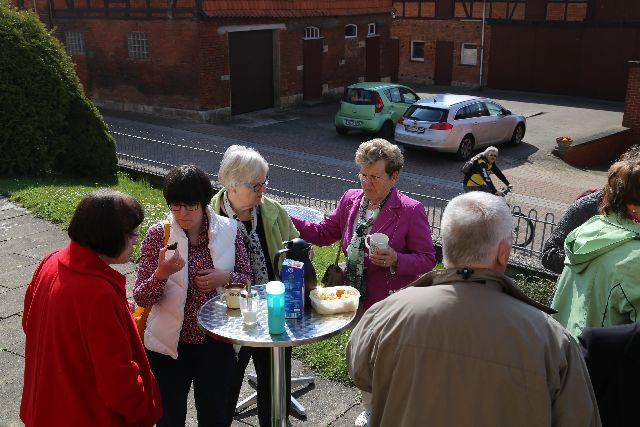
(356, 250)
(251, 241)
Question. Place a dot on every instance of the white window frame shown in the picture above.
(414, 58)
(311, 33)
(138, 45)
(74, 42)
(355, 31)
(372, 29)
(469, 56)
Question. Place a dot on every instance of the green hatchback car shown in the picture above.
(373, 107)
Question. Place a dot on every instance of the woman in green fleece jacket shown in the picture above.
(264, 225)
(599, 284)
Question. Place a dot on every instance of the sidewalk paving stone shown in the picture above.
(12, 368)
(11, 302)
(12, 338)
(15, 275)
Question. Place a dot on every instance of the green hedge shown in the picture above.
(48, 124)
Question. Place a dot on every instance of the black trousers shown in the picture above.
(262, 362)
(211, 367)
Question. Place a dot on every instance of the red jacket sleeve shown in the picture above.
(31, 289)
(109, 330)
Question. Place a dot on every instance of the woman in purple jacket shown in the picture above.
(377, 208)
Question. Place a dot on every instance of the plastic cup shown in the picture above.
(275, 307)
(249, 306)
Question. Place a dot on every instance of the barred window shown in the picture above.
(138, 44)
(74, 42)
(312, 33)
(350, 30)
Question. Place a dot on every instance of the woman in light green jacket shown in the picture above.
(599, 285)
(264, 225)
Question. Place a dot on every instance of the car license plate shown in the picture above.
(355, 123)
(415, 129)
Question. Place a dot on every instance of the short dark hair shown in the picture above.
(622, 188)
(187, 184)
(103, 221)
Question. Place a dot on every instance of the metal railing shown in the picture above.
(157, 154)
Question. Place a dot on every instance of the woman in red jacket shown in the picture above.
(84, 362)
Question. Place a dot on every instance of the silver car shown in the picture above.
(458, 124)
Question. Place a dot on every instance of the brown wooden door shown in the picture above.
(444, 63)
(312, 69)
(251, 66)
(372, 64)
(394, 57)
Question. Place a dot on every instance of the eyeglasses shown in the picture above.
(371, 178)
(176, 207)
(257, 187)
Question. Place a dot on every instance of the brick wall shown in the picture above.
(415, 72)
(212, 68)
(188, 63)
(165, 77)
(631, 117)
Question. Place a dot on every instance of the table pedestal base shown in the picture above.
(295, 404)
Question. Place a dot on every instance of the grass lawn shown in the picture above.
(54, 198)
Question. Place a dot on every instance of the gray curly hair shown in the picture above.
(371, 151)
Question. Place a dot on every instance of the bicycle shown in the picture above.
(530, 230)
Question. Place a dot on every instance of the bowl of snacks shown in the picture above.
(335, 299)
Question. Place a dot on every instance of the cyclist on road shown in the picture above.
(478, 178)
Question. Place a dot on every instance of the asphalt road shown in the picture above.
(307, 157)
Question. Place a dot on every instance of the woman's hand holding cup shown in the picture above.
(380, 253)
(387, 257)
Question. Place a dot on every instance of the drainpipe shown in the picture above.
(482, 43)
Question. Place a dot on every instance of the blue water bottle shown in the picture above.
(275, 307)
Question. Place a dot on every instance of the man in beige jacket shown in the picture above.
(464, 346)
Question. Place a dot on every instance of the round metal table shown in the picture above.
(227, 325)
(305, 212)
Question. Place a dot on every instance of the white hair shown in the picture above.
(241, 164)
(473, 225)
(488, 150)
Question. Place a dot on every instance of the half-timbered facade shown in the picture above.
(574, 47)
(210, 58)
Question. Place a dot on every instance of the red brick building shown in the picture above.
(631, 117)
(211, 58)
(573, 47)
